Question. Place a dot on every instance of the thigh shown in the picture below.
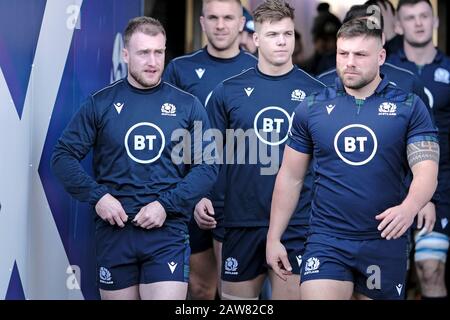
(243, 290)
(294, 239)
(130, 293)
(218, 233)
(203, 276)
(285, 290)
(200, 240)
(243, 254)
(217, 245)
(117, 263)
(382, 267)
(164, 255)
(327, 258)
(166, 290)
(326, 289)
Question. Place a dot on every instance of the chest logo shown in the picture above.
(272, 125)
(200, 72)
(442, 75)
(249, 91)
(168, 109)
(144, 142)
(298, 95)
(330, 108)
(356, 144)
(118, 107)
(387, 109)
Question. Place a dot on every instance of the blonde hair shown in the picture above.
(273, 10)
(149, 26)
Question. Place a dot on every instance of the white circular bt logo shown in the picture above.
(144, 142)
(356, 144)
(275, 122)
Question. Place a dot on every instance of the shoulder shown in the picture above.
(391, 67)
(107, 94)
(329, 73)
(393, 57)
(183, 100)
(393, 93)
(445, 60)
(244, 75)
(188, 58)
(113, 87)
(325, 94)
(306, 76)
(177, 92)
(248, 56)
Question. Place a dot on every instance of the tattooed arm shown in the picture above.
(421, 151)
(423, 159)
(417, 152)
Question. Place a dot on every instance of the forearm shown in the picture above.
(195, 185)
(284, 201)
(422, 187)
(74, 178)
(423, 159)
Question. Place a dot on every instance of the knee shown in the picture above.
(201, 290)
(431, 274)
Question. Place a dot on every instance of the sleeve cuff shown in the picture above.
(420, 138)
(298, 147)
(97, 194)
(164, 204)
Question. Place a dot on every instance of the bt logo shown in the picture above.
(268, 125)
(350, 143)
(356, 144)
(272, 125)
(140, 142)
(144, 142)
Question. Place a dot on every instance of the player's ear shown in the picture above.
(256, 39)
(241, 23)
(202, 22)
(125, 55)
(398, 27)
(381, 57)
(435, 22)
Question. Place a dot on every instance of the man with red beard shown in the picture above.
(143, 199)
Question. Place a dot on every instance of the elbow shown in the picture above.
(54, 162)
(215, 170)
(57, 161)
(213, 173)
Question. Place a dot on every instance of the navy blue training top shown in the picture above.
(359, 150)
(130, 131)
(257, 109)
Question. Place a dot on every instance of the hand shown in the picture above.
(277, 259)
(202, 214)
(427, 214)
(109, 209)
(395, 221)
(151, 216)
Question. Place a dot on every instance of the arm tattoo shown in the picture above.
(421, 151)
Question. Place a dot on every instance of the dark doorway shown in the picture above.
(172, 14)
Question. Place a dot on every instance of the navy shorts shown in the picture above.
(244, 251)
(377, 267)
(201, 240)
(132, 255)
(442, 224)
